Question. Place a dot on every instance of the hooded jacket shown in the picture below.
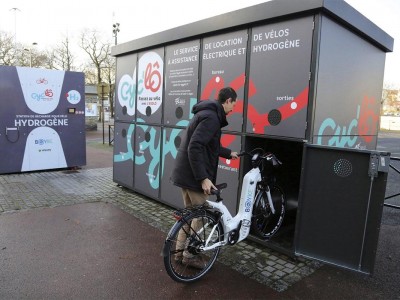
(198, 155)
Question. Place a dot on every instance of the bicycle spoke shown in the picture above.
(189, 241)
(265, 224)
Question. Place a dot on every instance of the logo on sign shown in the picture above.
(41, 81)
(43, 141)
(179, 101)
(249, 200)
(73, 97)
(150, 83)
(47, 95)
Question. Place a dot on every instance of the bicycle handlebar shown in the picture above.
(262, 156)
(256, 158)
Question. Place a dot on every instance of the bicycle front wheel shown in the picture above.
(185, 258)
(265, 223)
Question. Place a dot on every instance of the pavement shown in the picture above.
(75, 234)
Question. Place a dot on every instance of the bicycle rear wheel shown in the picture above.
(185, 241)
(264, 223)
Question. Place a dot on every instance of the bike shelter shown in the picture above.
(309, 78)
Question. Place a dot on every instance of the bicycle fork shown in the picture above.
(271, 204)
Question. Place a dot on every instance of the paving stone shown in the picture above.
(266, 273)
(270, 269)
(280, 261)
(270, 262)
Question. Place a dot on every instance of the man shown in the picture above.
(197, 160)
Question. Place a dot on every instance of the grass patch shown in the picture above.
(390, 131)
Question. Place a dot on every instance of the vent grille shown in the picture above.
(274, 117)
(343, 167)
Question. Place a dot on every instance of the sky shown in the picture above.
(47, 22)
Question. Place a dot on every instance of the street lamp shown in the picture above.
(115, 31)
(15, 9)
(30, 53)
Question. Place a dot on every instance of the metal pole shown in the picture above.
(102, 107)
(15, 9)
(30, 51)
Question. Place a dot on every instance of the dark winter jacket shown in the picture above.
(199, 152)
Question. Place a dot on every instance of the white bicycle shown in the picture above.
(200, 232)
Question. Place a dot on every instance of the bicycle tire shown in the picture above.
(264, 224)
(180, 271)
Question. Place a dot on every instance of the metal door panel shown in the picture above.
(340, 206)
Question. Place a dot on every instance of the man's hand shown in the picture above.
(234, 155)
(207, 185)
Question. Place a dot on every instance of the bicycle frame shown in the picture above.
(193, 243)
(240, 223)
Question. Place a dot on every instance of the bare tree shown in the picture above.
(38, 59)
(97, 50)
(390, 96)
(12, 54)
(50, 61)
(8, 55)
(109, 75)
(102, 63)
(90, 74)
(61, 57)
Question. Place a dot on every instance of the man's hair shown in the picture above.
(226, 93)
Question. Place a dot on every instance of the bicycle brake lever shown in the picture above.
(275, 161)
(219, 189)
(221, 186)
(215, 192)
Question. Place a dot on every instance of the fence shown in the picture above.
(393, 167)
